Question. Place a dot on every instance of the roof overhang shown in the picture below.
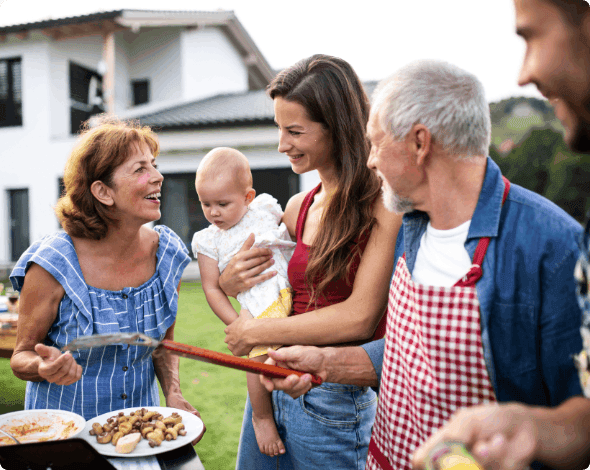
(259, 71)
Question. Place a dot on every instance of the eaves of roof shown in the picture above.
(250, 108)
(225, 110)
(107, 15)
(260, 72)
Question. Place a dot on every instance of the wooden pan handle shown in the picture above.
(227, 360)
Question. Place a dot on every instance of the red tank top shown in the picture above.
(338, 290)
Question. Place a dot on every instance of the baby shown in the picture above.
(224, 186)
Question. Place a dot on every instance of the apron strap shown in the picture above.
(379, 456)
(476, 272)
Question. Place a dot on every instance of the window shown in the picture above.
(11, 109)
(141, 91)
(85, 95)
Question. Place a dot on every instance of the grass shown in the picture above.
(217, 392)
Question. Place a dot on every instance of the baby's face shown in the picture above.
(223, 203)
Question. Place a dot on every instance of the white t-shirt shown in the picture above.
(442, 258)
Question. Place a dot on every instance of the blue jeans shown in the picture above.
(327, 428)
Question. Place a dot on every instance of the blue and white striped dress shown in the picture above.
(113, 377)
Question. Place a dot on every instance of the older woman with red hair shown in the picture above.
(107, 272)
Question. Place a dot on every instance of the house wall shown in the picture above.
(24, 158)
(155, 54)
(33, 156)
(182, 151)
(211, 65)
(84, 51)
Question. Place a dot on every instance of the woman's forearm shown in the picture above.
(330, 325)
(25, 365)
(166, 368)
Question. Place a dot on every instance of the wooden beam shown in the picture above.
(250, 59)
(22, 35)
(51, 33)
(87, 29)
(108, 79)
(2, 37)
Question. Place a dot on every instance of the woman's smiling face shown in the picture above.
(136, 186)
(308, 144)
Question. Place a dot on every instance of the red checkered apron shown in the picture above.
(433, 361)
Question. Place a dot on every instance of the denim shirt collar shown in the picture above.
(484, 223)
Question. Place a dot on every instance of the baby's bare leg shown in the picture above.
(263, 420)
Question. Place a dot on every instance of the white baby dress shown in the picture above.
(271, 298)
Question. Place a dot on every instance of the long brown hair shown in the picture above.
(99, 151)
(332, 94)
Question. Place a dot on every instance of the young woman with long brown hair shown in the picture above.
(340, 270)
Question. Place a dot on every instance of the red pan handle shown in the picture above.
(227, 360)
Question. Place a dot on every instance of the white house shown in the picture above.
(197, 77)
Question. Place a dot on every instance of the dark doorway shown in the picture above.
(18, 200)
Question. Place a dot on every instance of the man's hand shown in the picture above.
(57, 368)
(500, 437)
(304, 358)
(236, 338)
(177, 401)
(245, 268)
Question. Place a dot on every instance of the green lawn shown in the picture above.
(217, 392)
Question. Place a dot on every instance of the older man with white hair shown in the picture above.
(481, 305)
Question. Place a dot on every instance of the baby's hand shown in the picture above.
(236, 335)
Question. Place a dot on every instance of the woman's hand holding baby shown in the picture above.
(245, 268)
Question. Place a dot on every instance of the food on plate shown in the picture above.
(104, 438)
(38, 428)
(175, 418)
(126, 431)
(127, 443)
(155, 437)
(96, 429)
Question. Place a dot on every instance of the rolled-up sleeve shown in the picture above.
(374, 350)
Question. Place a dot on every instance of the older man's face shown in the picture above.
(557, 61)
(392, 162)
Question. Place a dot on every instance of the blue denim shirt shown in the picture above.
(530, 318)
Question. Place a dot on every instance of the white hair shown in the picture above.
(448, 100)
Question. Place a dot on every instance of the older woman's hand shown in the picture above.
(177, 401)
(57, 368)
(236, 336)
(245, 268)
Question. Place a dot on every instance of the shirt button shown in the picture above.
(125, 368)
(123, 396)
(124, 296)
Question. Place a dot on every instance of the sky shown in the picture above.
(375, 36)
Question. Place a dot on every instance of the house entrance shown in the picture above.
(18, 200)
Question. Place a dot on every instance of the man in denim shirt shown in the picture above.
(468, 235)
(557, 61)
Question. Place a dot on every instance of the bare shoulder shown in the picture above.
(386, 219)
(292, 211)
(150, 240)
